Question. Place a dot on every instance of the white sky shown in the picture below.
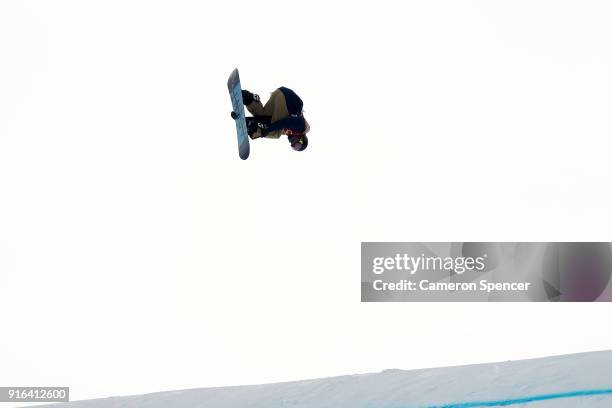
(139, 254)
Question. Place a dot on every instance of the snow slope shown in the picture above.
(564, 381)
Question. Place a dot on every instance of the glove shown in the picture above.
(249, 97)
(253, 128)
(251, 124)
(263, 129)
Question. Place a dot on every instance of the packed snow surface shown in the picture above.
(578, 380)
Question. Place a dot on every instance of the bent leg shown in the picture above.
(257, 109)
(272, 108)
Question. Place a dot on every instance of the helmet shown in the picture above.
(298, 142)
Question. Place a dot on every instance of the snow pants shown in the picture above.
(275, 109)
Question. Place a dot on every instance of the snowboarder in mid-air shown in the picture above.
(281, 115)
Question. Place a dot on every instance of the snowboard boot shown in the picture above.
(249, 97)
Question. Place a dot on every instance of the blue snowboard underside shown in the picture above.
(233, 85)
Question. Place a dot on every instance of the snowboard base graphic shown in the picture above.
(235, 91)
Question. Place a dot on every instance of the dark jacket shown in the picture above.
(295, 121)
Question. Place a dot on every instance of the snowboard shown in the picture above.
(235, 91)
